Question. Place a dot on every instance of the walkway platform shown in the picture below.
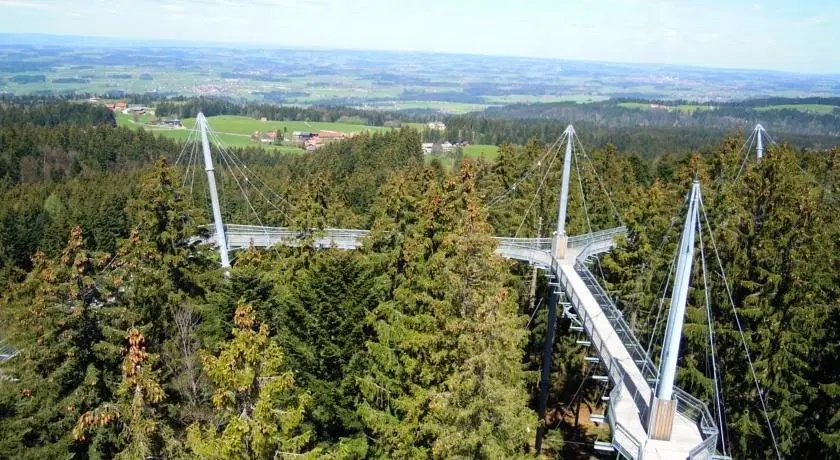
(629, 369)
(629, 400)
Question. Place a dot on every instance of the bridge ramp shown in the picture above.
(630, 404)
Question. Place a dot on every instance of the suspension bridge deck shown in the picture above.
(629, 369)
(631, 394)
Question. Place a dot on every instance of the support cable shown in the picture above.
(666, 282)
(184, 146)
(241, 189)
(709, 316)
(597, 176)
(189, 160)
(526, 174)
(225, 157)
(537, 193)
(194, 159)
(256, 176)
(749, 140)
(586, 208)
(661, 304)
(741, 332)
(536, 309)
(232, 159)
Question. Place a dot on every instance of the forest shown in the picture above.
(132, 342)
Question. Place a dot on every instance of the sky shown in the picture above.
(789, 35)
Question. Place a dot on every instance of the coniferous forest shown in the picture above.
(131, 342)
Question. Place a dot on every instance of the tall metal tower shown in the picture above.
(759, 132)
(560, 238)
(663, 407)
(221, 238)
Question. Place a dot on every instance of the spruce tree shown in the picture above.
(58, 373)
(445, 374)
(141, 433)
(259, 412)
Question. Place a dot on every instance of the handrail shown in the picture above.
(687, 405)
(529, 243)
(584, 239)
(616, 318)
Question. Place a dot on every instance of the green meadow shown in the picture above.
(813, 108)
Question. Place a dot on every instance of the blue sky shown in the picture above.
(793, 35)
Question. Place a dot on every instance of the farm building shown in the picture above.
(330, 135)
(301, 136)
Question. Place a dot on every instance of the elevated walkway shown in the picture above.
(632, 374)
(629, 369)
(532, 250)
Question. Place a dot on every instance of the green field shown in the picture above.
(531, 99)
(490, 152)
(231, 124)
(813, 108)
(236, 131)
(687, 108)
(442, 106)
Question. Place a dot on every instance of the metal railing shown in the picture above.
(6, 352)
(623, 440)
(543, 244)
(578, 241)
(244, 236)
(687, 405)
(628, 445)
(697, 412)
(616, 318)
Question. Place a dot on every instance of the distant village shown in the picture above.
(138, 110)
(308, 141)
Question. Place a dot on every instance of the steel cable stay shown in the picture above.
(245, 195)
(537, 193)
(601, 182)
(536, 309)
(232, 158)
(773, 142)
(750, 140)
(194, 169)
(184, 146)
(711, 351)
(719, 408)
(741, 332)
(526, 174)
(189, 160)
(256, 176)
(191, 171)
(229, 158)
(666, 282)
(576, 161)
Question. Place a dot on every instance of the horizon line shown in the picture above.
(175, 43)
